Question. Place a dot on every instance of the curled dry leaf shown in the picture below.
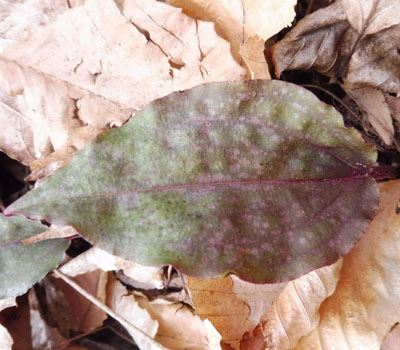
(373, 102)
(180, 328)
(323, 41)
(366, 302)
(252, 52)
(95, 66)
(18, 19)
(43, 335)
(96, 258)
(53, 231)
(382, 17)
(245, 24)
(232, 306)
(392, 339)
(294, 313)
(126, 306)
(84, 315)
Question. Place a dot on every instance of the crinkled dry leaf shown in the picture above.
(372, 101)
(20, 18)
(252, 52)
(366, 302)
(179, 328)
(323, 41)
(383, 16)
(239, 20)
(43, 335)
(233, 306)
(376, 62)
(53, 231)
(392, 339)
(96, 258)
(294, 313)
(95, 66)
(245, 24)
(126, 306)
(85, 316)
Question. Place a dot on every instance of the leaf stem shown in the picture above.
(385, 172)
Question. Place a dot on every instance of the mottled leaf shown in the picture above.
(257, 178)
(23, 265)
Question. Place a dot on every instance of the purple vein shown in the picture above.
(355, 178)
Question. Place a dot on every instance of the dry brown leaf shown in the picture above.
(95, 66)
(295, 312)
(252, 52)
(392, 339)
(324, 40)
(373, 102)
(85, 316)
(394, 105)
(6, 341)
(53, 231)
(43, 335)
(358, 12)
(20, 18)
(232, 305)
(125, 305)
(376, 62)
(366, 302)
(96, 258)
(179, 328)
(238, 21)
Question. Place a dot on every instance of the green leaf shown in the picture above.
(23, 265)
(257, 178)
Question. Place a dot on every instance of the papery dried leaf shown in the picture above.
(233, 306)
(392, 339)
(20, 265)
(258, 178)
(324, 40)
(376, 62)
(239, 20)
(358, 12)
(252, 52)
(366, 302)
(95, 66)
(126, 306)
(98, 259)
(372, 101)
(314, 41)
(179, 327)
(294, 313)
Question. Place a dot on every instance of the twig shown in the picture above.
(107, 310)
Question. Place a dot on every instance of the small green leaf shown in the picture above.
(23, 265)
(257, 178)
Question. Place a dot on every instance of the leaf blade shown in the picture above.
(220, 178)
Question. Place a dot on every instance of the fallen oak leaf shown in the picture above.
(62, 103)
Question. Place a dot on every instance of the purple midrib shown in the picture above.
(354, 178)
